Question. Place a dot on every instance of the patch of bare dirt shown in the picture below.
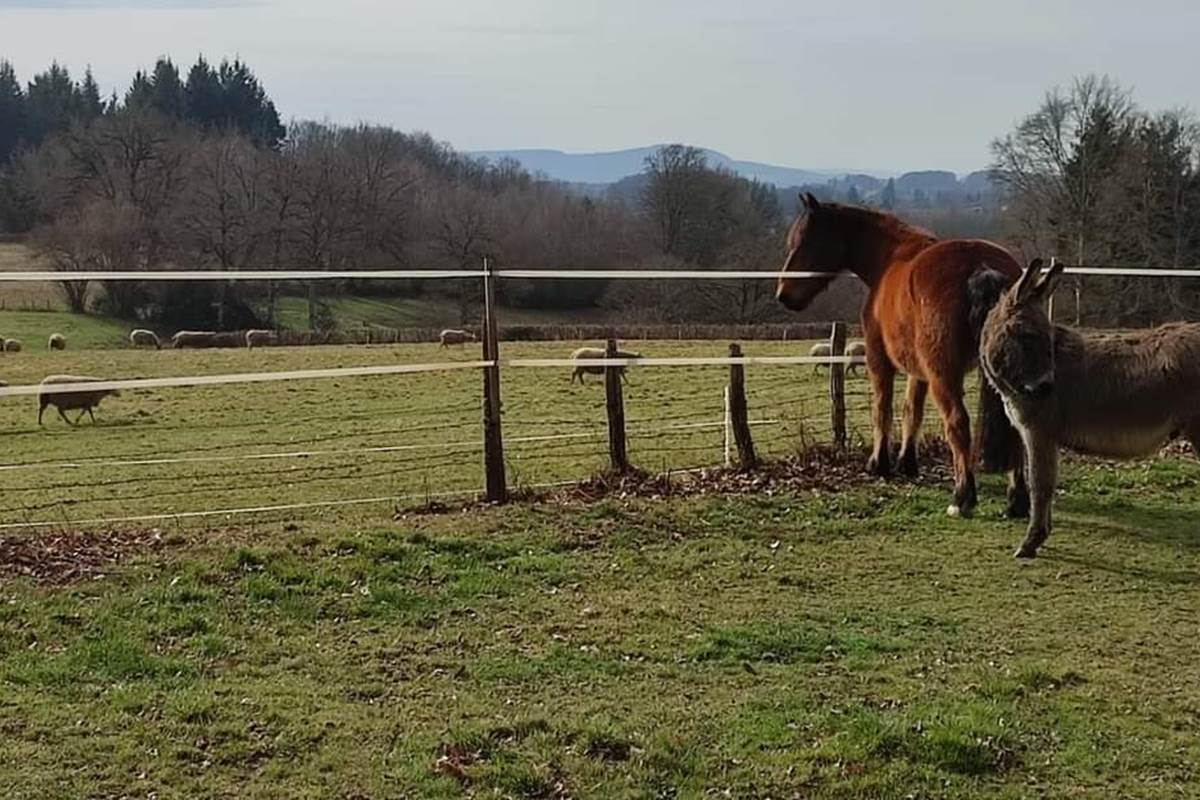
(61, 558)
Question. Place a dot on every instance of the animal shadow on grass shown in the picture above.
(1174, 529)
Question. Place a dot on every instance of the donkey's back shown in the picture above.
(1126, 394)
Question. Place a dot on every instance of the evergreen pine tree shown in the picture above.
(140, 95)
(203, 95)
(88, 102)
(167, 95)
(12, 112)
(50, 102)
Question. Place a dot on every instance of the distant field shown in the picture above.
(401, 312)
(433, 420)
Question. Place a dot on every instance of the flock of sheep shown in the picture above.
(85, 401)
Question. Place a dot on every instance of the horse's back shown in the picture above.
(921, 305)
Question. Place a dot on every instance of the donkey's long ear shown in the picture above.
(1027, 284)
(1046, 285)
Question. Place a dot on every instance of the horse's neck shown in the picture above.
(883, 243)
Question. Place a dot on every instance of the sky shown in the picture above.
(841, 84)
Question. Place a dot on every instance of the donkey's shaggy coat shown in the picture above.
(1120, 395)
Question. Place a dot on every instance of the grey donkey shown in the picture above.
(1119, 395)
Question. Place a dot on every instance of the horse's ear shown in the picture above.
(1028, 280)
(809, 201)
(1046, 285)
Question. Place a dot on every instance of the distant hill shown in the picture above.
(610, 167)
(618, 173)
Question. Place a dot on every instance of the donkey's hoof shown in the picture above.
(955, 510)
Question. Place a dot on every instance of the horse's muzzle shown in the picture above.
(791, 296)
(1040, 390)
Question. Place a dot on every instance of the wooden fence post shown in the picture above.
(739, 416)
(615, 403)
(837, 384)
(495, 483)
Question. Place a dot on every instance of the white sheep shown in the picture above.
(144, 338)
(12, 345)
(452, 336)
(83, 401)
(185, 339)
(260, 338)
(859, 349)
(56, 342)
(820, 350)
(597, 352)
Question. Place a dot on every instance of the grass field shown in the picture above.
(785, 643)
(850, 645)
(431, 422)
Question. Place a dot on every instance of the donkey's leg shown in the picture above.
(1042, 464)
(883, 376)
(949, 399)
(914, 413)
(1018, 490)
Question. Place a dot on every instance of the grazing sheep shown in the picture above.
(12, 346)
(451, 336)
(56, 342)
(859, 349)
(820, 350)
(3, 384)
(190, 339)
(598, 352)
(144, 338)
(83, 401)
(260, 338)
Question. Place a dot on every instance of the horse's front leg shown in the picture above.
(914, 413)
(1042, 465)
(948, 397)
(883, 376)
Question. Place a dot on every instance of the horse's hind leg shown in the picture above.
(1018, 490)
(948, 397)
(882, 375)
(914, 413)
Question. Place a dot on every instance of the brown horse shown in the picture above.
(917, 319)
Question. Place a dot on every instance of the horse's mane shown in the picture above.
(881, 220)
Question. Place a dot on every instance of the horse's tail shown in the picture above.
(996, 442)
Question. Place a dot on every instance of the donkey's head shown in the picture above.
(814, 245)
(1016, 349)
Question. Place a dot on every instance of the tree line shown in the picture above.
(1093, 179)
(197, 171)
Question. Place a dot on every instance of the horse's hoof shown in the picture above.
(1025, 552)
(879, 468)
(1016, 511)
(955, 510)
(908, 467)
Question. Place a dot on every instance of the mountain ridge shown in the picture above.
(611, 166)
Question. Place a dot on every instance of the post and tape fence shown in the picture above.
(736, 423)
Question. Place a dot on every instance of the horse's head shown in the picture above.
(813, 246)
(1016, 349)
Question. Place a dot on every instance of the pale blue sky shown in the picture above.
(844, 83)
